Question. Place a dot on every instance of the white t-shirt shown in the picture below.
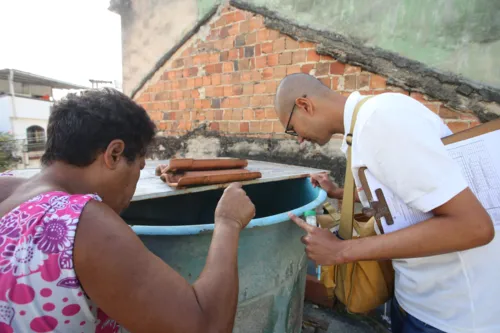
(399, 140)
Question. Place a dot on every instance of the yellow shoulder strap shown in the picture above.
(347, 213)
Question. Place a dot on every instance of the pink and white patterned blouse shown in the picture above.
(39, 290)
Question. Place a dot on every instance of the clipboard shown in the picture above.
(379, 208)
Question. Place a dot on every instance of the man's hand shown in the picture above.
(234, 207)
(323, 180)
(323, 247)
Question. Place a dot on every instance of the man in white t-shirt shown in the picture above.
(447, 267)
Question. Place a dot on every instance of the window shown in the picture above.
(36, 138)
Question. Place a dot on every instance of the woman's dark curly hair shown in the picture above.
(81, 126)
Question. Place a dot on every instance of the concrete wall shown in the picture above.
(32, 108)
(5, 113)
(461, 36)
(149, 30)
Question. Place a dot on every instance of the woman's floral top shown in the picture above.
(39, 290)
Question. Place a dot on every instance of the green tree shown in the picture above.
(8, 147)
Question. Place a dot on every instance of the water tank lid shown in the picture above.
(310, 213)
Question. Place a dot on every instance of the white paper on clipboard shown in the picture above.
(479, 161)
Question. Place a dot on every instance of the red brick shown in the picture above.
(213, 58)
(469, 117)
(363, 81)
(219, 91)
(274, 34)
(267, 47)
(292, 69)
(233, 54)
(239, 16)
(267, 73)
(457, 126)
(228, 43)
(322, 69)
(216, 79)
(258, 50)
(234, 127)
(434, 107)
(299, 56)
(279, 45)
(307, 68)
(350, 82)
(221, 21)
(272, 59)
(228, 91)
(246, 64)
(307, 45)
(237, 90)
(209, 114)
(285, 58)
(377, 82)
(251, 38)
(266, 126)
(218, 114)
(256, 76)
(291, 44)
(259, 88)
(226, 78)
(278, 127)
(207, 80)
(259, 114)
(248, 89)
(198, 82)
(248, 114)
(214, 126)
(261, 62)
(418, 96)
(312, 56)
(246, 76)
(237, 115)
(335, 83)
(271, 87)
(262, 35)
(228, 115)
(326, 81)
(279, 72)
(349, 69)
(213, 68)
(244, 127)
(224, 126)
(254, 126)
(228, 67)
(195, 94)
(235, 102)
(337, 68)
(270, 113)
(245, 101)
(244, 27)
(256, 23)
(326, 58)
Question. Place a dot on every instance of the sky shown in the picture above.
(68, 40)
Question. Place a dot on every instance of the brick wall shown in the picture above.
(227, 77)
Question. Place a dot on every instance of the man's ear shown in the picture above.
(113, 153)
(305, 104)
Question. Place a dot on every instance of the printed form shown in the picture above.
(479, 160)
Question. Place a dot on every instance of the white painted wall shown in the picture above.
(22, 124)
(32, 108)
(5, 109)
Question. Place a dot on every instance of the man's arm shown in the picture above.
(141, 292)
(7, 186)
(404, 151)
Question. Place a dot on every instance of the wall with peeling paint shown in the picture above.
(461, 36)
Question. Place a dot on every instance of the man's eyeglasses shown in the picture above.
(287, 128)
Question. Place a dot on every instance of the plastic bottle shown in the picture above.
(310, 216)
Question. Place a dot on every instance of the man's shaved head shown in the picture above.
(295, 86)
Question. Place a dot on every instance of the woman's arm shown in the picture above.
(144, 294)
